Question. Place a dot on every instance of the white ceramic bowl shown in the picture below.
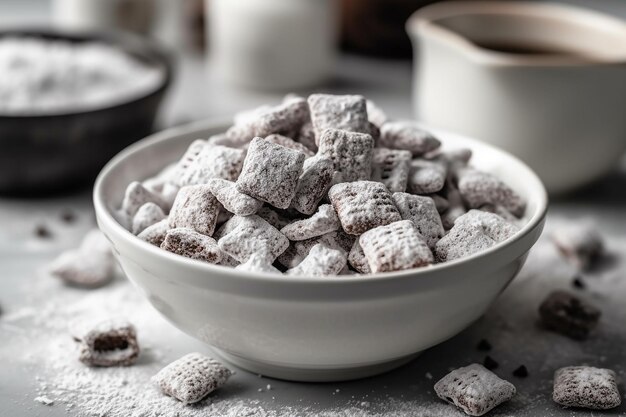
(305, 328)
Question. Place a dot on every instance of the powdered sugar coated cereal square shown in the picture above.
(258, 262)
(363, 205)
(191, 244)
(409, 136)
(395, 247)
(155, 234)
(321, 261)
(137, 195)
(289, 143)
(313, 184)
(191, 378)
(234, 201)
(195, 207)
(586, 387)
(358, 260)
(423, 213)
(298, 250)
(324, 221)
(391, 167)
(213, 161)
(479, 188)
(426, 177)
(350, 152)
(147, 215)
(345, 112)
(474, 389)
(270, 173)
(248, 235)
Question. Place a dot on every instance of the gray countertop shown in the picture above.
(510, 325)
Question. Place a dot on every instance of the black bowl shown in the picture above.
(42, 154)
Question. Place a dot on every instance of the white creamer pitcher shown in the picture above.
(546, 82)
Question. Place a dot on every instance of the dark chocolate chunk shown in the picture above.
(483, 345)
(521, 372)
(42, 232)
(490, 363)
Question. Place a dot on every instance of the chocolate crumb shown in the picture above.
(68, 216)
(484, 345)
(42, 232)
(521, 372)
(578, 283)
(490, 363)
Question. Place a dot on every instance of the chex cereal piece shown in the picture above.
(426, 177)
(313, 185)
(395, 247)
(580, 242)
(191, 378)
(252, 234)
(273, 217)
(285, 118)
(474, 389)
(375, 114)
(155, 234)
(325, 220)
(188, 158)
(347, 112)
(228, 260)
(109, 343)
(147, 215)
(363, 205)
(586, 387)
(298, 250)
(423, 213)
(306, 136)
(213, 161)
(137, 195)
(409, 136)
(357, 258)
(195, 207)
(479, 188)
(234, 201)
(567, 314)
(289, 143)
(350, 152)
(473, 232)
(90, 266)
(270, 173)
(391, 167)
(258, 262)
(374, 131)
(456, 206)
(320, 261)
(191, 244)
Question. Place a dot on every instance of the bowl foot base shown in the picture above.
(321, 374)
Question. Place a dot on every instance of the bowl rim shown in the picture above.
(106, 218)
(125, 41)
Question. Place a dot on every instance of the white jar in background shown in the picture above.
(273, 44)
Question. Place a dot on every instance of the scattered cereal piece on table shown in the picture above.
(479, 188)
(191, 244)
(586, 387)
(234, 201)
(321, 261)
(350, 152)
(270, 173)
(248, 235)
(325, 220)
(363, 205)
(474, 389)
(109, 343)
(395, 247)
(391, 167)
(580, 242)
(191, 378)
(407, 135)
(196, 208)
(345, 112)
(423, 213)
(147, 215)
(567, 314)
